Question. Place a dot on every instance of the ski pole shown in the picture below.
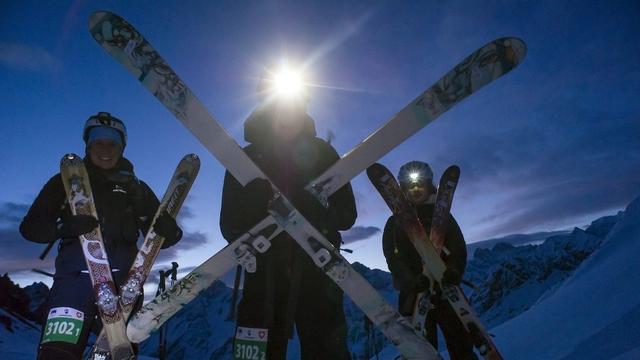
(174, 277)
(161, 289)
(42, 272)
(46, 250)
(234, 295)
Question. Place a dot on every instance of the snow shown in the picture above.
(595, 314)
(19, 340)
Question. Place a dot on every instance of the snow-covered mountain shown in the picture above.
(512, 278)
(594, 314)
(575, 283)
(20, 318)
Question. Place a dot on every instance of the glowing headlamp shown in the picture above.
(288, 83)
(414, 177)
(285, 84)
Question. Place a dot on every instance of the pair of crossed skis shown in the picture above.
(133, 51)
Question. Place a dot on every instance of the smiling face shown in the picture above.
(105, 153)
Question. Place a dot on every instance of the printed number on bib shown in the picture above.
(63, 324)
(250, 344)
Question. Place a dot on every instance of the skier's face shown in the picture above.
(105, 153)
(418, 192)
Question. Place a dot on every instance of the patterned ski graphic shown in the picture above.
(80, 198)
(444, 199)
(179, 186)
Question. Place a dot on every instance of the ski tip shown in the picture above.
(453, 170)
(375, 169)
(70, 158)
(135, 335)
(97, 17)
(192, 158)
(515, 49)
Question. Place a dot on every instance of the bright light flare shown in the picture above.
(414, 176)
(288, 83)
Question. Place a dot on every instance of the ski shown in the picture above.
(179, 186)
(124, 43)
(433, 266)
(444, 199)
(242, 251)
(80, 198)
(437, 233)
(482, 67)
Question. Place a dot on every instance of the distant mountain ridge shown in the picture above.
(514, 239)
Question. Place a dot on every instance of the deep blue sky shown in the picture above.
(552, 145)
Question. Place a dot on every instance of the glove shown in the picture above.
(77, 225)
(311, 209)
(451, 277)
(167, 227)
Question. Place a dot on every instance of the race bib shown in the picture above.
(250, 344)
(63, 324)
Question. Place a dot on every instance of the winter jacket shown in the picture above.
(125, 208)
(291, 169)
(403, 260)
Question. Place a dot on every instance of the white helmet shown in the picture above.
(105, 119)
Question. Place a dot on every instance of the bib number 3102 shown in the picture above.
(63, 324)
(250, 344)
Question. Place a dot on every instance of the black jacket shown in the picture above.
(291, 169)
(285, 265)
(402, 258)
(125, 208)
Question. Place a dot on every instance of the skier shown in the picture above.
(287, 286)
(125, 206)
(405, 264)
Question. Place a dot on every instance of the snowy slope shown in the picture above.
(513, 278)
(595, 314)
(200, 330)
(18, 337)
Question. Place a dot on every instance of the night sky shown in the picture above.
(552, 145)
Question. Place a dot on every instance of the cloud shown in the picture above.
(185, 212)
(20, 254)
(189, 241)
(358, 233)
(12, 213)
(25, 57)
(571, 162)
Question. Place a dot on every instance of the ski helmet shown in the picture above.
(415, 172)
(107, 120)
